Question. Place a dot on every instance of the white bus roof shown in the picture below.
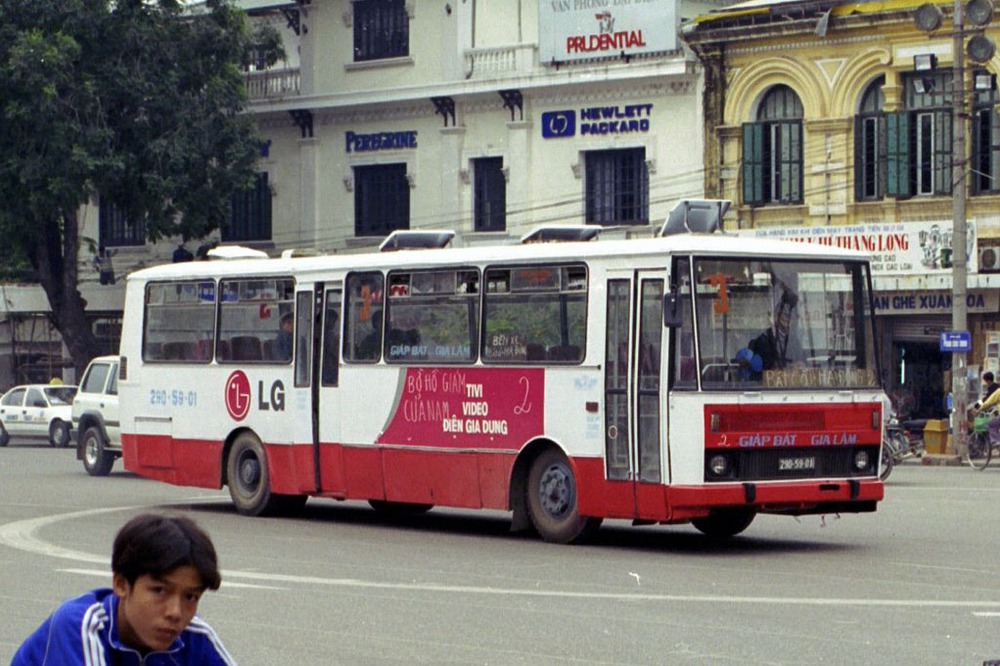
(629, 252)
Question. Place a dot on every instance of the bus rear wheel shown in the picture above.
(250, 481)
(725, 523)
(552, 501)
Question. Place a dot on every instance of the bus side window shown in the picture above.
(364, 317)
(178, 321)
(432, 316)
(535, 314)
(251, 316)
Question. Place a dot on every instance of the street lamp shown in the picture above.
(981, 49)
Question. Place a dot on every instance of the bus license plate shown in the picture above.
(796, 464)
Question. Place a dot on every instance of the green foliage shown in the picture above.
(136, 102)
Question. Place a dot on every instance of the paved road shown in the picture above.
(914, 583)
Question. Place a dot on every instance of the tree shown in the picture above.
(135, 102)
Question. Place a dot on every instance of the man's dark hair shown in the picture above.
(987, 376)
(155, 545)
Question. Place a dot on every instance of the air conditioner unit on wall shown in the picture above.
(989, 259)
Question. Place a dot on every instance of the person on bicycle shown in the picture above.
(990, 384)
(991, 399)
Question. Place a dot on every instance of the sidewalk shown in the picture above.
(942, 459)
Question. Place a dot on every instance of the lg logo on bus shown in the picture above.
(239, 396)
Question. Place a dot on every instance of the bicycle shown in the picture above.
(980, 446)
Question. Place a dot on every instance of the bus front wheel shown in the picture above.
(250, 481)
(552, 501)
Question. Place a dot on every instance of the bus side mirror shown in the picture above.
(672, 317)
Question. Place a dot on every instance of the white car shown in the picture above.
(37, 410)
(95, 417)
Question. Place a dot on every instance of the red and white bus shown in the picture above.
(692, 378)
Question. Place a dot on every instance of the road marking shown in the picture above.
(986, 613)
(20, 535)
(225, 584)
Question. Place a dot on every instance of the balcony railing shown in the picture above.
(273, 84)
(500, 61)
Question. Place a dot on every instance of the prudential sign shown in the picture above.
(586, 29)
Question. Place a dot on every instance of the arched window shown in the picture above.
(772, 150)
(869, 144)
(985, 172)
(919, 138)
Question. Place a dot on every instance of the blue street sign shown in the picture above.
(956, 341)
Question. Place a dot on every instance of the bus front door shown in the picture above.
(632, 380)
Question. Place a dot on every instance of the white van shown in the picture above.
(95, 417)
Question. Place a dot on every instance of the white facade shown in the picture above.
(496, 99)
(482, 58)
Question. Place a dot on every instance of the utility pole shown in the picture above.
(959, 257)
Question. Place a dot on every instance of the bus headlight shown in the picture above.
(861, 460)
(718, 465)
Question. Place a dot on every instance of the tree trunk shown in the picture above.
(54, 258)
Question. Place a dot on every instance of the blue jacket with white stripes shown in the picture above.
(84, 631)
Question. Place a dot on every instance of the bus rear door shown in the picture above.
(326, 397)
(634, 411)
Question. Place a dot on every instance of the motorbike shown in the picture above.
(902, 440)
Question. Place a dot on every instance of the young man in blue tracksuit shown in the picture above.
(161, 565)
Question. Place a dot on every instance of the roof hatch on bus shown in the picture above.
(695, 215)
(235, 252)
(411, 239)
(562, 233)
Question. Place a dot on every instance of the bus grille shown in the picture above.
(791, 463)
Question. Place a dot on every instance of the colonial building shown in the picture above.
(486, 118)
(833, 123)
(482, 117)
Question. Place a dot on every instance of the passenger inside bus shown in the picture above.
(282, 347)
(368, 348)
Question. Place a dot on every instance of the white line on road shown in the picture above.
(225, 584)
(20, 535)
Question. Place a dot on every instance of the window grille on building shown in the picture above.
(381, 29)
(617, 187)
(490, 193)
(250, 213)
(381, 199)
(115, 230)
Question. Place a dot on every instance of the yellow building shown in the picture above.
(833, 123)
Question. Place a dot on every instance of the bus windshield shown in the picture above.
(774, 324)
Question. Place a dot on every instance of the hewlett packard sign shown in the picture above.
(583, 29)
(607, 120)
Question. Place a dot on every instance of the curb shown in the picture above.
(941, 460)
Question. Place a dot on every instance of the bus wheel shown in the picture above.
(725, 523)
(250, 479)
(552, 501)
(400, 508)
(96, 460)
